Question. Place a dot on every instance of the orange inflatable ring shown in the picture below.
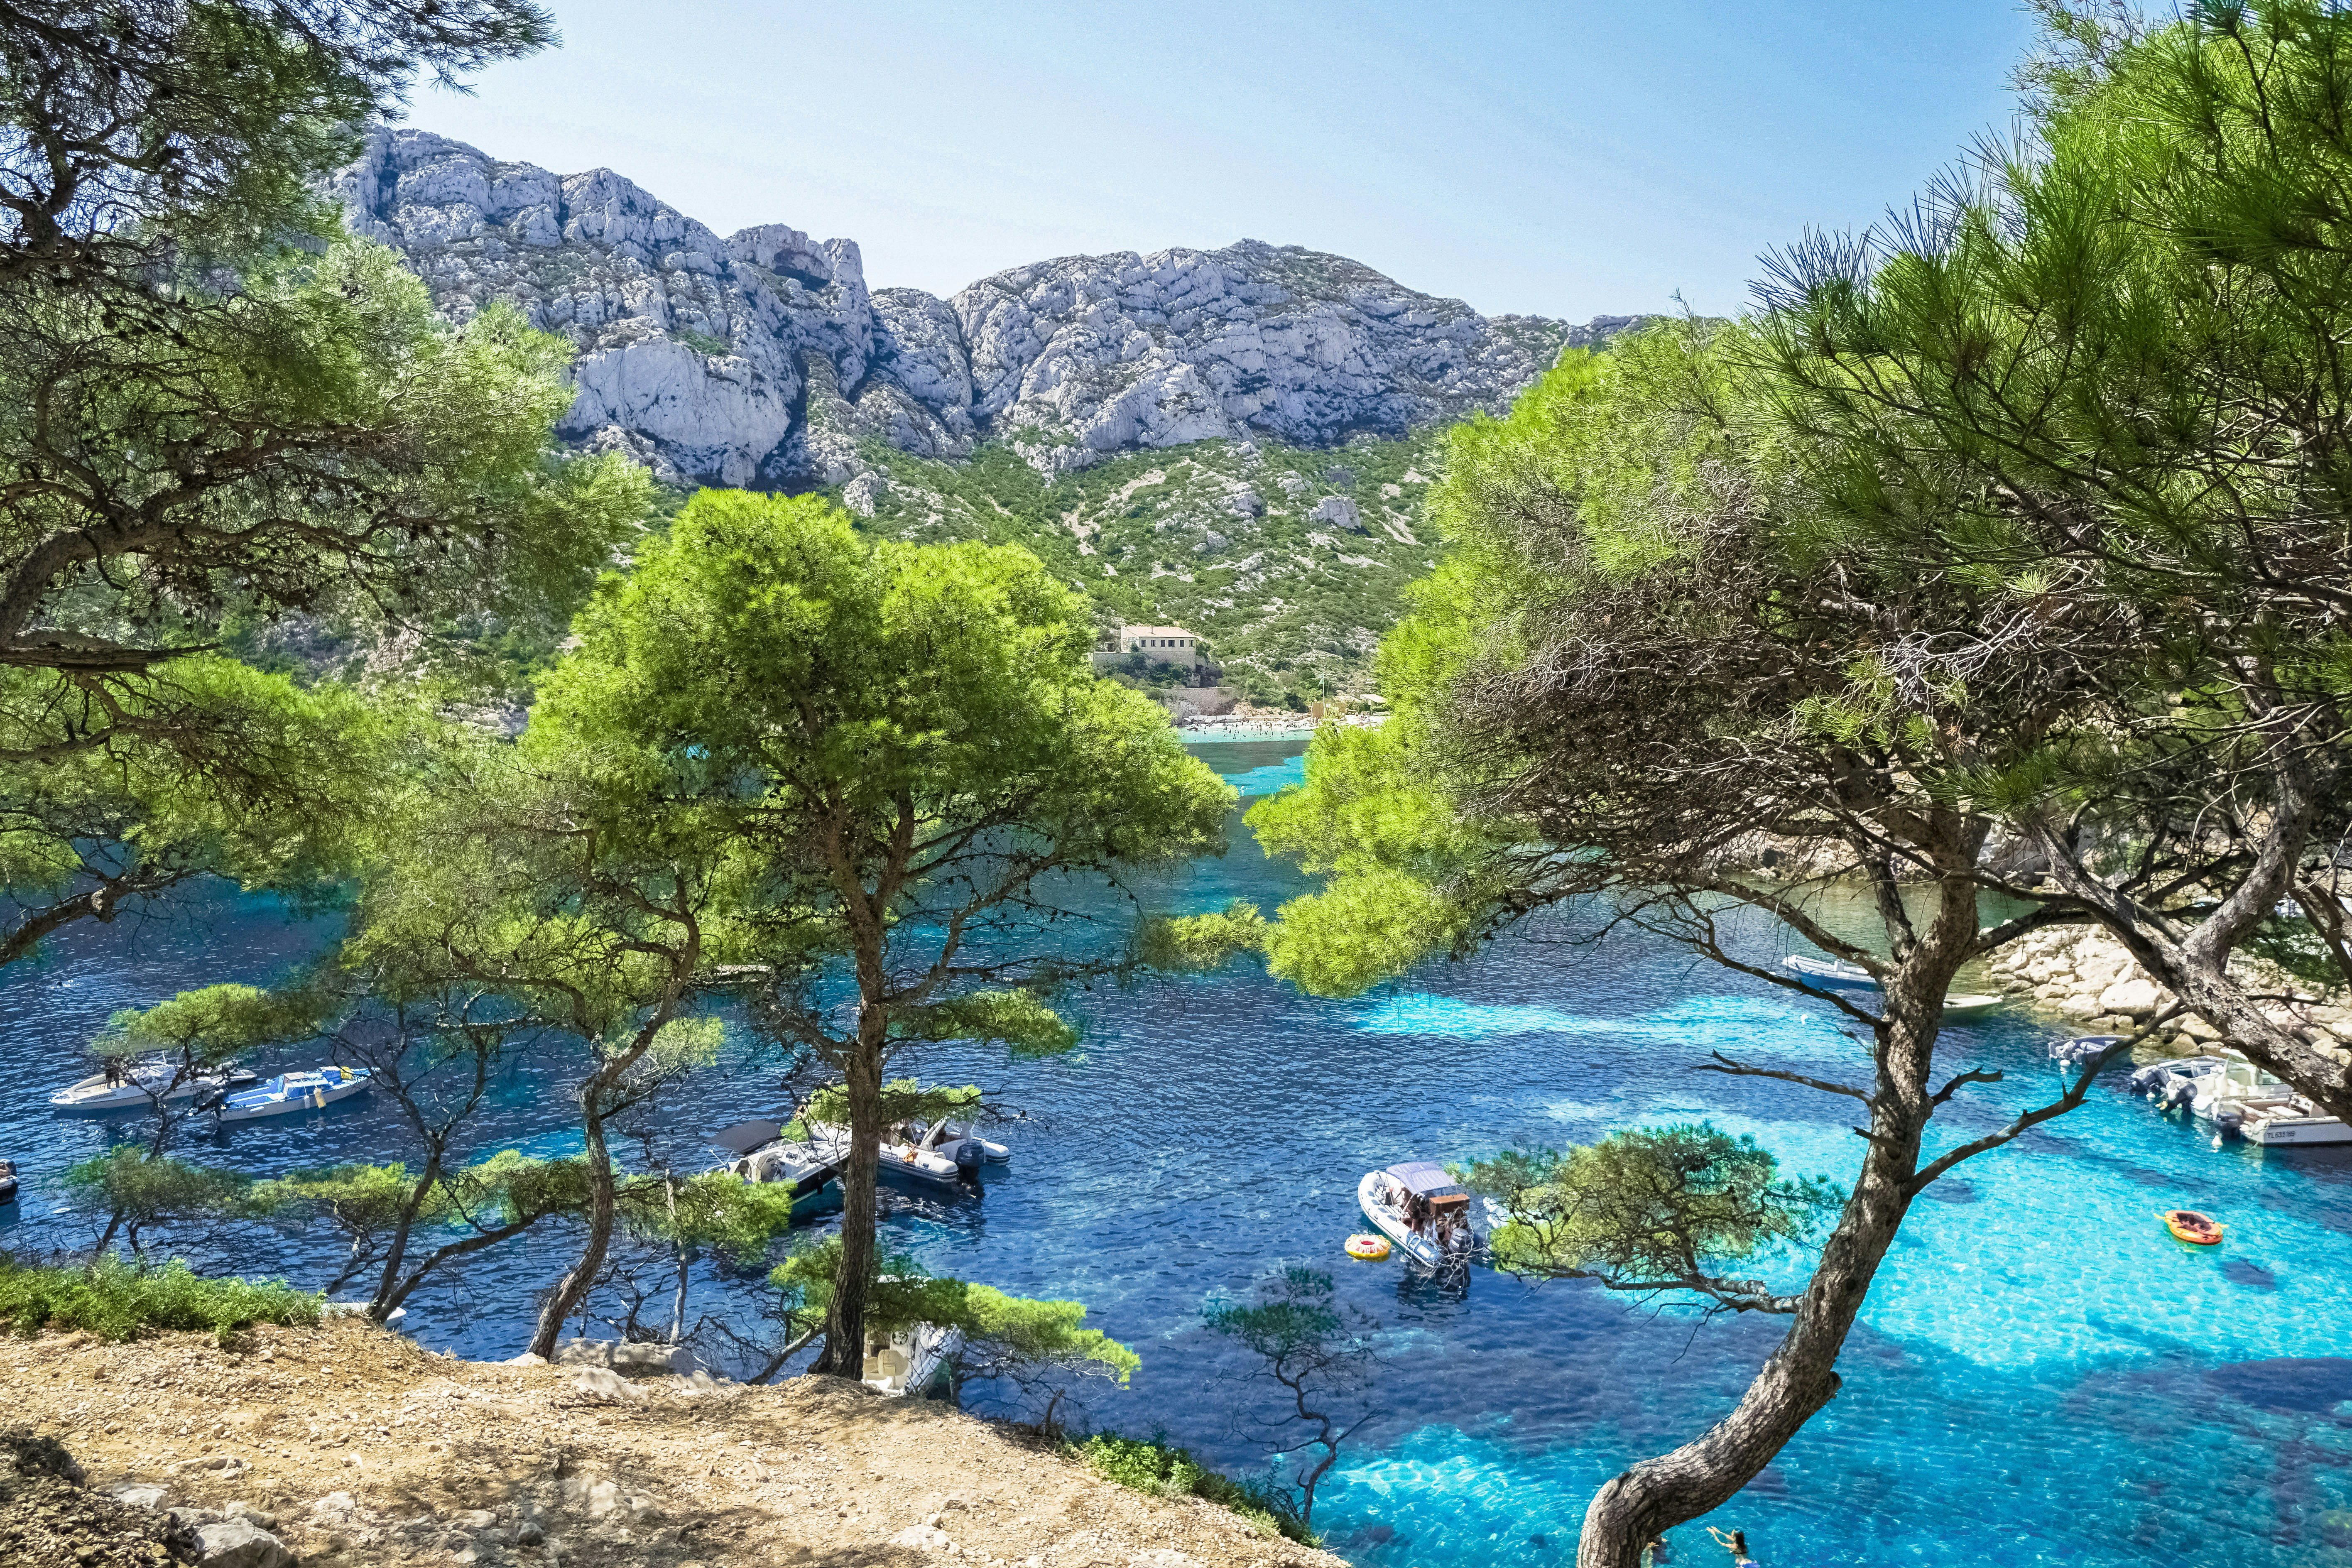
(1372, 1249)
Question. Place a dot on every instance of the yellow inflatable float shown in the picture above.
(1370, 1247)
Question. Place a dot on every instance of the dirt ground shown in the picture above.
(357, 1447)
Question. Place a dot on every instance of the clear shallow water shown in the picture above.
(2042, 1375)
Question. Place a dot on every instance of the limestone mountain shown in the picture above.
(763, 357)
(1237, 440)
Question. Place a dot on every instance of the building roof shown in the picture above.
(1153, 631)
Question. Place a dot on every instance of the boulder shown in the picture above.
(240, 1543)
(629, 1359)
(138, 1494)
(863, 493)
(2135, 996)
(1338, 510)
(928, 1539)
(603, 1385)
(594, 1496)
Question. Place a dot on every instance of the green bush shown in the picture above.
(120, 1300)
(1153, 1466)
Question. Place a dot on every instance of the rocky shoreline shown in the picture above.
(2083, 975)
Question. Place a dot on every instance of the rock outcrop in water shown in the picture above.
(763, 356)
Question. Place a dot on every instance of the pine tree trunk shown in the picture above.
(572, 1289)
(396, 1251)
(844, 1323)
(1801, 1376)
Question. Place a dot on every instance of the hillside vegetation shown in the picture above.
(1291, 562)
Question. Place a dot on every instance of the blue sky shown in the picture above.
(1568, 159)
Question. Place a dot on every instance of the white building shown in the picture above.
(1160, 645)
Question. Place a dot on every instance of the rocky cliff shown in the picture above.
(763, 357)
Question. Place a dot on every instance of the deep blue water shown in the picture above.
(2042, 1375)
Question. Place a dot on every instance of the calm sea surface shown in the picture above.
(2042, 1375)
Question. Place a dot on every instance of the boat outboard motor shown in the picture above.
(2229, 1123)
(967, 1157)
(2182, 1092)
(2145, 1079)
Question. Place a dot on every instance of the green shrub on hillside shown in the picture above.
(120, 1300)
(1155, 1467)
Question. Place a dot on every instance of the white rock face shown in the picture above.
(690, 347)
(762, 358)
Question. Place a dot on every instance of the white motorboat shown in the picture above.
(961, 1141)
(1836, 976)
(144, 1083)
(7, 1181)
(2081, 1048)
(2175, 1082)
(2298, 1122)
(288, 1092)
(912, 1360)
(900, 1158)
(763, 1154)
(1832, 972)
(2224, 1098)
(1422, 1210)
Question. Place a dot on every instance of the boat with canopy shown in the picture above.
(1421, 1209)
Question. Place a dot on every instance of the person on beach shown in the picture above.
(1736, 1543)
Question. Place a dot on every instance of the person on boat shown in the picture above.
(113, 1073)
(1736, 1543)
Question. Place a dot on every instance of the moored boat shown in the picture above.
(289, 1092)
(144, 1083)
(1420, 1208)
(901, 1159)
(961, 1141)
(2175, 1082)
(2296, 1122)
(1832, 972)
(2240, 1089)
(1834, 975)
(912, 1359)
(2081, 1048)
(763, 1154)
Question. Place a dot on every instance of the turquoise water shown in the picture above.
(2042, 1375)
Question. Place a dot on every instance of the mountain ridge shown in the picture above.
(702, 354)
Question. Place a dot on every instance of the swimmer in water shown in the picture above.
(1736, 1543)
